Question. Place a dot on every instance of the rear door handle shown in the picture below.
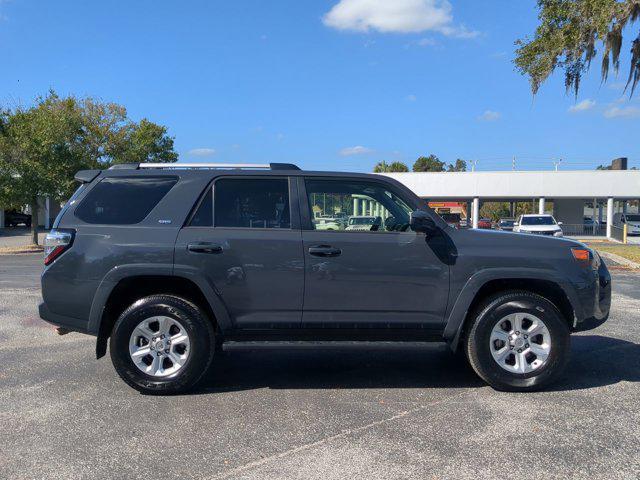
(324, 251)
(204, 248)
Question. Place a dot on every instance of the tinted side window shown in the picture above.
(204, 214)
(252, 203)
(123, 201)
(357, 206)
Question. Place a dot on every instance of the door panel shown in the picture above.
(250, 252)
(379, 280)
(258, 274)
(363, 267)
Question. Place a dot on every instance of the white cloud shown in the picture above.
(396, 16)
(582, 106)
(202, 152)
(426, 42)
(622, 112)
(357, 150)
(411, 98)
(489, 116)
(617, 85)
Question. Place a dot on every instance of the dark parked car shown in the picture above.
(170, 261)
(13, 218)
(506, 224)
(452, 219)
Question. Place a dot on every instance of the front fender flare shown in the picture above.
(454, 321)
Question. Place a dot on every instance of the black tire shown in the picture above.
(201, 336)
(477, 341)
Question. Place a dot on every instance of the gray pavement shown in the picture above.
(13, 237)
(328, 412)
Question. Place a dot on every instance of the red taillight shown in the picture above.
(56, 243)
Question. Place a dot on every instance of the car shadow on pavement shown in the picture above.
(598, 361)
(595, 361)
(338, 367)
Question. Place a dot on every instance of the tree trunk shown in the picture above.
(34, 222)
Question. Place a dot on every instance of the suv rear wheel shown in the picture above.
(518, 341)
(162, 344)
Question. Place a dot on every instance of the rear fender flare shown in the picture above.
(119, 273)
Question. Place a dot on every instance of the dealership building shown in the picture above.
(565, 194)
(573, 197)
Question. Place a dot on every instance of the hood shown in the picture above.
(499, 238)
(540, 228)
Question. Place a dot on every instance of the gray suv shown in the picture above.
(169, 261)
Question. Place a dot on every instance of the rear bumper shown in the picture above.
(596, 299)
(74, 324)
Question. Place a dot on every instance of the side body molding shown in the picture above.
(460, 308)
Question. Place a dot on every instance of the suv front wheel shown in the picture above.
(162, 344)
(518, 341)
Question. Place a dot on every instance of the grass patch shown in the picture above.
(630, 252)
(21, 249)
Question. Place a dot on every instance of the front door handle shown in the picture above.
(324, 251)
(204, 248)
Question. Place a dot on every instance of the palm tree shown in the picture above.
(567, 36)
(384, 167)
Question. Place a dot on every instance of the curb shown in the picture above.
(619, 260)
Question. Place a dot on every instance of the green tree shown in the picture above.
(382, 167)
(40, 150)
(495, 210)
(567, 36)
(398, 167)
(146, 142)
(42, 147)
(459, 166)
(429, 164)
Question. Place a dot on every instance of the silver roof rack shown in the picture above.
(246, 166)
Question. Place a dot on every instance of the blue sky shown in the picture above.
(336, 84)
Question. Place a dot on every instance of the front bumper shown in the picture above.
(596, 299)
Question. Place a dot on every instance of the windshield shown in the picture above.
(541, 220)
(507, 223)
(361, 221)
(633, 218)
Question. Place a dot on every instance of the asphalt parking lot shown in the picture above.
(324, 412)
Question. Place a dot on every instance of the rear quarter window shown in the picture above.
(123, 200)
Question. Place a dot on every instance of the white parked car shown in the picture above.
(329, 223)
(538, 224)
(631, 219)
(361, 222)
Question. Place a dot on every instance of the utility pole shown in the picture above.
(557, 164)
(473, 165)
(513, 163)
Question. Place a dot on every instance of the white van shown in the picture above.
(631, 219)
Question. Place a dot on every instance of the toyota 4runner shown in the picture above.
(165, 262)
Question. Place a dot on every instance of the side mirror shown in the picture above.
(515, 224)
(559, 223)
(421, 221)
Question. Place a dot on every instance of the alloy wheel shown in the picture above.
(159, 346)
(520, 343)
